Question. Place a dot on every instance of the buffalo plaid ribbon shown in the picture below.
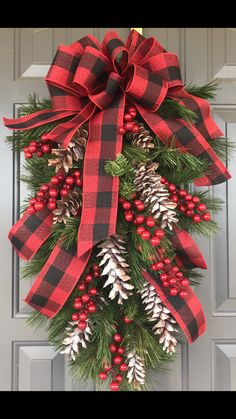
(92, 82)
(187, 312)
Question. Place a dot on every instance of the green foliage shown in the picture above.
(172, 109)
(36, 172)
(223, 148)
(207, 91)
(119, 167)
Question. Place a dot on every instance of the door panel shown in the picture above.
(27, 362)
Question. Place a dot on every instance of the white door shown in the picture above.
(27, 362)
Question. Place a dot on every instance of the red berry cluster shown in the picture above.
(38, 147)
(84, 304)
(188, 204)
(144, 224)
(129, 123)
(117, 361)
(171, 277)
(49, 192)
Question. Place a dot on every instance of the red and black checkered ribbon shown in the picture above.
(187, 252)
(92, 82)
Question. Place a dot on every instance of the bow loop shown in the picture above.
(103, 98)
(147, 88)
(115, 49)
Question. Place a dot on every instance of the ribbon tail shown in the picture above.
(30, 232)
(36, 119)
(188, 253)
(187, 312)
(189, 139)
(100, 191)
(57, 280)
(63, 133)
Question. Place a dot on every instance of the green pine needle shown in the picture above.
(207, 91)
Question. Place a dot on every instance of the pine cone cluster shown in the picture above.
(64, 157)
(75, 338)
(67, 206)
(136, 369)
(116, 267)
(155, 195)
(142, 138)
(165, 324)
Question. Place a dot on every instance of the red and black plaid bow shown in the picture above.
(91, 82)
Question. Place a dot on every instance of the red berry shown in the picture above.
(150, 222)
(166, 183)
(103, 375)
(40, 194)
(117, 338)
(201, 207)
(135, 128)
(112, 348)
(175, 198)
(129, 217)
(196, 218)
(76, 173)
(188, 197)
(167, 261)
(122, 130)
(69, 180)
(123, 367)
(88, 278)
(155, 241)
(140, 229)
(119, 378)
(128, 126)
(32, 148)
(85, 298)
(127, 320)
(172, 187)
(131, 109)
(82, 325)
(159, 265)
(146, 235)
(163, 180)
(75, 317)
(78, 305)
(38, 206)
(182, 208)
(165, 284)
(96, 274)
(182, 193)
(137, 202)
(117, 360)
(95, 267)
(39, 154)
(63, 192)
(25, 149)
(140, 219)
(163, 277)
(28, 155)
(92, 308)
(184, 282)
(140, 207)
(53, 193)
(159, 233)
(153, 267)
(114, 386)
(45, 148)
(189, 213)
(183, 294)
(78, 182)
(120, 350)
(179, 275)
(44, 187)
(126, 205)
(31, 210)
(190, 205)
(33, 142)
(107, 367)
(83, 316)
(175, 269)
(32, 201)
(93, 291)
(172, 281)
(195, 199)
(55, 180)
(81, 286)
(173, 291)
(52, 205)
(206, 216)
(133, 113)
(127, 117)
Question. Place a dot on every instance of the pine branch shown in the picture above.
(223, 148)
(134, 153)
(172, 109)
(204, 228)
(119, 167)
(36, 172)
(207, 91)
